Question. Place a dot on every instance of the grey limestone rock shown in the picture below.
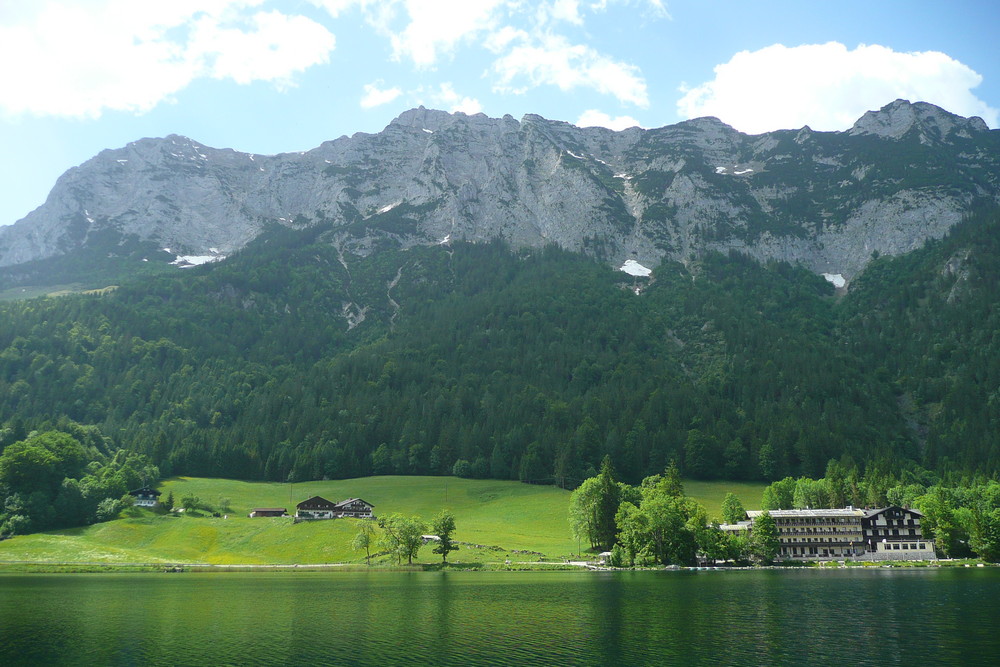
(827, 200)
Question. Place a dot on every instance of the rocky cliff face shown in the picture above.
(828, 200)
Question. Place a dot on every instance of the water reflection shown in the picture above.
(862, 617)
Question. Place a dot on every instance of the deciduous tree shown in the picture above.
(732, 509)
(582, 502)
(365, 539)
(401, 535)
(443, 526)
(764, 544)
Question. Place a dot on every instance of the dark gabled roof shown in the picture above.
(146, 491)
(345, 503)
(316, 500)
(875, 512)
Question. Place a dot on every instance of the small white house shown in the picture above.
(145, 497)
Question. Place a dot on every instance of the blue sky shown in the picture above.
(268, 76)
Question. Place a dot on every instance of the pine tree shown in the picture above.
(608, 499)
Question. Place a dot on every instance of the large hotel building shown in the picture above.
(890, 533)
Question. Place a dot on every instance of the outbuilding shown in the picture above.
(268, 511)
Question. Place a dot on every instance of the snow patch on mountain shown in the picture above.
(187, 261)
(836, 278)
(634, 268)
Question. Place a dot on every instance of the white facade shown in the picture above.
(912, 550)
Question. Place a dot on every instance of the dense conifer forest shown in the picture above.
(291, 362)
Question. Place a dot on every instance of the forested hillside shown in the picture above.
(929, 322)
(291, 361)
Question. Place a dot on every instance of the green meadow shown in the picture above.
(711, 494)
(496, 520)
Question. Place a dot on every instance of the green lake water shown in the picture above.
(913, 617)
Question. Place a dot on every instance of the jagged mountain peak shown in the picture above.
(933, 123)
(803, 135)
(707, 122)
(160, 150)
(434, 119)
(182, 140)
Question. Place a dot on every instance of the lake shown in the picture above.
(908, 617)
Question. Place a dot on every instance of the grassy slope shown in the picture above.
(711, 494)
(490, 513)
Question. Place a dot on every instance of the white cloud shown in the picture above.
(375, 96)
(424, 30)
(571, 11)
(446, 97)
(438, 25)
(529, 54)
(273, 48)
(552, 60)
(564, 10)
(595, 118)
(80, 59)
(499, 40)
(336, 7)
(828, 87)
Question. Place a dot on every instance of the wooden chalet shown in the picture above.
(316, 507)
(354, 508)
(145, 497)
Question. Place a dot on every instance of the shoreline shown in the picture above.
(35, 567)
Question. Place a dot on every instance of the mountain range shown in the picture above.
(826, 200)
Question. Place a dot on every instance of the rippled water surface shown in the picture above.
(860, 617)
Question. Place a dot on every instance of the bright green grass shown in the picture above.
(508, 515)
(711, 494)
